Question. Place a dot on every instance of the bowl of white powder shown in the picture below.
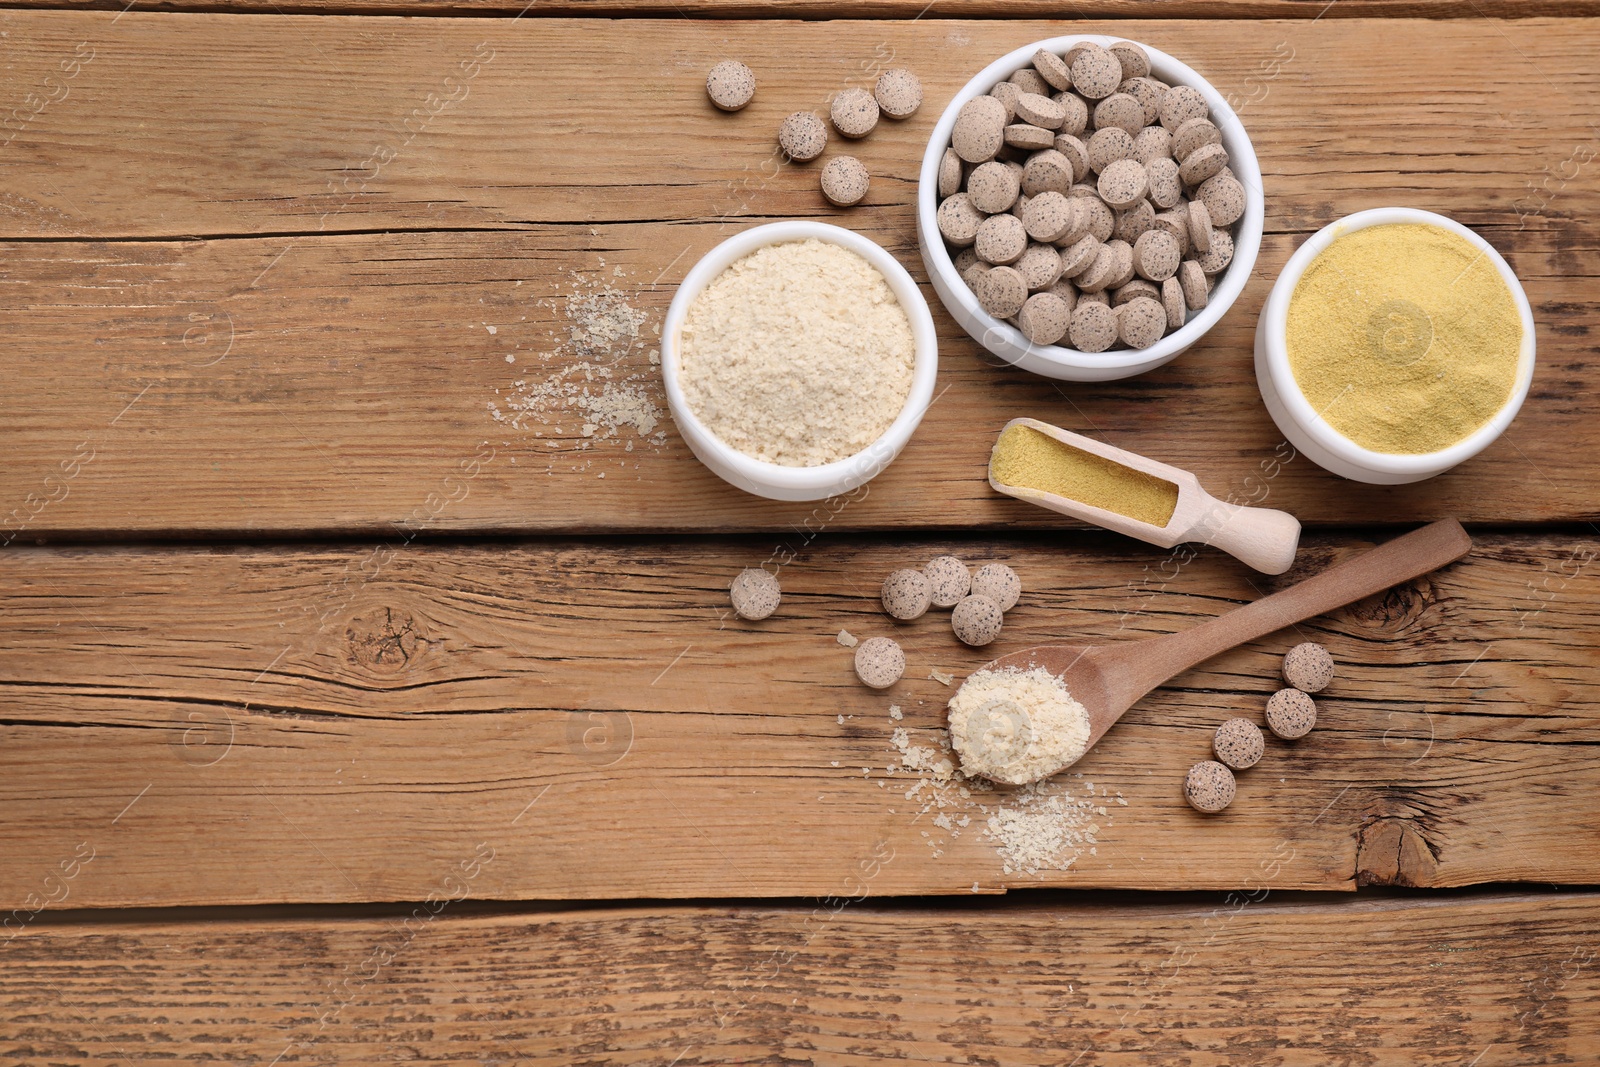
(798, 359)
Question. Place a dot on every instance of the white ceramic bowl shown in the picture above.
(800, 483)
(1307, 430)
(1054, 361)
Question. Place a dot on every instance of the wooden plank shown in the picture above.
(347, 387)
(405, 124)
(260, 725)
(1249, 980)
(859, 9)
(312, 383)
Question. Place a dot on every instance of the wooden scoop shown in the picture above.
(1109, 679)
(1261, 537)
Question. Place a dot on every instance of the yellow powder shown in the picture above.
(1404, 337)
(1027, 459)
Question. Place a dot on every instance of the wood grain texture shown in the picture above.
(347, 385)
(325, 381)
(1495, 980)
(261, 725)
(859, 9)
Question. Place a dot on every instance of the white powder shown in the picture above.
(1017, 726)
(1033, 828)
(798, 354)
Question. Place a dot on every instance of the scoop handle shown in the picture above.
(1400, 560)
(1263, 538)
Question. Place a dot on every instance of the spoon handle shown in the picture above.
(1402, 559)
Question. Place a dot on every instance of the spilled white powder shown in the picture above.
(587, 374)
(1016, 726)
(1043, 826)
(798, 354)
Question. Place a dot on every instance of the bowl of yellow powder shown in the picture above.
(1396, 344)
(798, 359)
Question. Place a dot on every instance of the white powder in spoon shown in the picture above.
(1016, 726)
(798, 354)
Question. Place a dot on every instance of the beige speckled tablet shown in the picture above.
(754, 594)
(1136, 288)
(1149, 92)
(1002, 292)
(1068, 294)
(958, 220)
(1077, 110)
(1308, 667)
(1096, 73)
(1123, 183)
(803, 136)
(1209, 787)
(854, 112)
(1193, 281)
(1041, 111)
(1093, 327)
(1107, 146)
(906, 594)
(844, 181)
(999, 583)
(1291, 714)
(1044, 318)
(1102, 223)
(1199, 228)
(1172, 301)
(1007, 93)
(1049, 217)
(1175, 222)
(1071, 147)
(1100, 272)
(979, 130)
(1215, 259)
(1099, 296)
(1202, 163)
(971, 273)
(1076, 49)
(1120, 110)
(880, 662)
(1052, 69)
(1194, 134)
(730, 85)
(1000, 240)
(1223, 196)
(949, 578)
(1046, 171)
(1141, 322)
(977, 621)
(1156, 255)
(1152, 143)
(1027, 136)
(1238, 744)
(993, 187)
(1134, 223)
(1122, 273)
(1079, 256)
(1166, 189)
(1029, 81)
(966, 259)
(1135, 61)
(898, 93)
(1040, 266)
(1180, 104)
(949, 173)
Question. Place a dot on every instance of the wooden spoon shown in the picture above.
(1109, 679)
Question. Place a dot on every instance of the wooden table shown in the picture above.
(356, 703)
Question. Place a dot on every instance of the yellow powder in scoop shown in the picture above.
(1024, 458)
(1404, 337)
